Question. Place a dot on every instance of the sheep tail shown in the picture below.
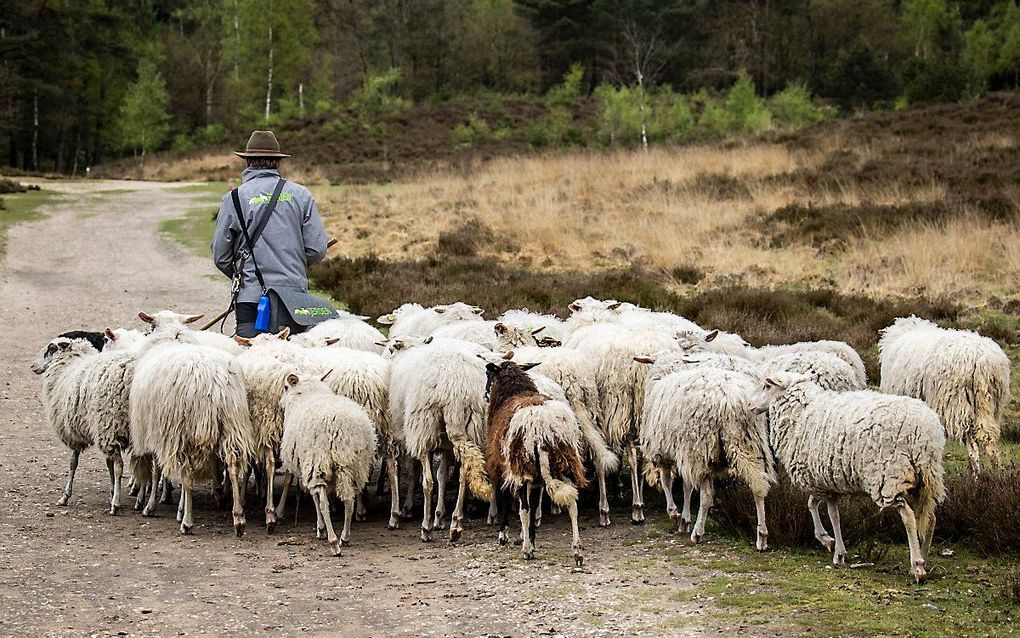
(990, 396)
(139, 466)
(345, 485)
(563, 493)
(472, 466)
(605, 460)
(653, 474)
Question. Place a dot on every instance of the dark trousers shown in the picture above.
(247, 312)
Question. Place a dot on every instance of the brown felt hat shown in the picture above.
(262, 144)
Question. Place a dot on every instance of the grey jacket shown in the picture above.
(292, 240)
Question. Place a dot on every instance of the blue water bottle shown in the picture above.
(262, 318)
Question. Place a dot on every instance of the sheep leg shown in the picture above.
(973, 452)
(576, 543)
(217, 481)
(637, 515)
(238, 493)
(167, 497)
(839, 554)
(666, 481)
(524, 510)
(394, 475)
(989, 447)
(604, 521)
(916, 557)
(116, 466)
(762, 543)
(319, 494)
(187, 520)
(284, 491)
(707, 495)
(134, 487)
(685, 515)
(180, 507)
(532, 527)
(828, 542)
(538, 508)
(442, 473)
(381, 480)
(405, 511)
(66, 496)
(426, 488)
(157, 479)
(503, 506)
(320, 525)
(141, 496)
(457, 521)
(926, 531)
(360, 512)
(270, 471)
(493, 515)
(345, 534)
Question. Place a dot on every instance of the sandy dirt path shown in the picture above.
(77, 571)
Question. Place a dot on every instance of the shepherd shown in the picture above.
(268, 232)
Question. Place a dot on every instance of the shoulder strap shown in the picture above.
(258, 229)
(255, 234)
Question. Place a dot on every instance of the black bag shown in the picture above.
(289, 307)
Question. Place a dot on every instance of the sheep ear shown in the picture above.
(361, 317)
(549, 342)
(615, 305)
(110, 334)
(537, 330)
(323, 377)
(491, 367)
(292, 379)
(500, 328)
(644, 359)
(478, 311)
(241, 341)
(428, 340)
(386, 320)
(772, 383)
(711, 336)
(147, 318)
(381, 344)
(64, 345)
(333, 340)
(527, 366)
(192, 318)
(439, 311)
(573, 307)
(284, 334)
(508, 355)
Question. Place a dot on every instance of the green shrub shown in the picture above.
(715, 121)
(378, 95)
(567, 92)
(939, 81)
(619, 119)
(474, 131)
(747, 112)
(792, 108)
(673, 116)
(556, 128)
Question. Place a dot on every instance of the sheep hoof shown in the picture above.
(578, 560)
(405, 513)
(828, 542)
(490, 519)
(503, 538)
(239, 529)
(334, 547)
(114, 510)
(920, 575)
(637, 515)
(320, 533)
(135, 489)
(696, 537)
(838, 560)
(454, 535)
(63, 500)
(394, 523)
(360, 518)
(426, 535)
(438, 523)
(147, 513)
(345, 542)
(270, 527)
(604, 518)
(187, 530)
(529, 555)
(684, 526)
(538, 522)
(167, 498)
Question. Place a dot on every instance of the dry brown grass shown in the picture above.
(686, 206)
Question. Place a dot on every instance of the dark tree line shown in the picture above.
(83, 81)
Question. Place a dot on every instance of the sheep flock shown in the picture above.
(518, 408)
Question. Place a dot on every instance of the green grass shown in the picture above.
(194, 230)
(798, 590)
(21, 207)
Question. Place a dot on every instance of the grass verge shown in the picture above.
(21, 207)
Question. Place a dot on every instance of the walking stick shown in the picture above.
(223, 315)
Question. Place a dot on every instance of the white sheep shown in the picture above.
(189, 410)
(437, 400)
(347, 330)
(575, 374)
(837, 348)
(553, 330)
(167, 319)
(64, 364)
(532, 444)
(886, 447)
(828, 370)
(621, 385)
(477, 332)
(265, 363)
(412, 320)
(328, 443)
(963, 376)
(702, 420)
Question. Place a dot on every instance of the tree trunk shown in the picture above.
(237, 33)
(301, 98)
(269, 78)
(35, 130)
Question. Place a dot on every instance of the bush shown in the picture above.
(792, 108)
(474, 131)
(939, 81)
(859, 78)
(715, 121)
(747, 112)
(619, 118)
(567, 92)
(378, 95)
(556, 128)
